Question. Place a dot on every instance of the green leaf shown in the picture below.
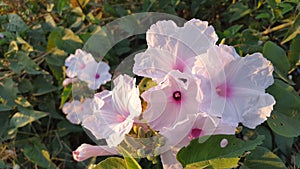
(293, 31)
(285, 118)
(262, 130)
(64, 39)
(60, 5)
(262, 158)
(20, 100)
(109, 9)
(25, 45)
(26, 116)
(8, 93)
(70, 41)
(211, 154)
(284, 143)
(129, 160)
(21, 61)
(25, 86)
(238, 10)
(2, 164)
(65, 128)
(231, 31)
(294, 55)
(43, 85)
(65, 95)
(277, 56)
(38, 154)
(15, 24)
(5, 131)
(54, 36)
(111, 162)
(216, 163)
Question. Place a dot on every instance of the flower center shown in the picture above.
(177, 95)
(97, 76)
(195, 133)
(223, 90)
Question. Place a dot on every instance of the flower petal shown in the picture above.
(251, 107)
(95, 74)
(252, 71)
(153, 63)
(195, 37)
(77, 62)
(173, 48)
(169, 160)
(86, 151)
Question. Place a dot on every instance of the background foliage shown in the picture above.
(36, 37)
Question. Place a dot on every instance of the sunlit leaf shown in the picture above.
(26, 116)
(111, 162)
(293, 31)
(37, 153)
(20, 100)
(211, 154)
(145, 84)
(129, 160)
(25, 45)
(262, 158)
(67, 91)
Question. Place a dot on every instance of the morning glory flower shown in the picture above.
(76, 111)
(77, 62)
(235, 85)
(175, 97)
(114, 111)
(86, 151)
(95, 74)
(83, 66)
(173, 48)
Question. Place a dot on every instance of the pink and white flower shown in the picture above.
(83, 66)
(77, 62)
(173, 48)
(174, 98)
(77, 111)
(95, 74)
(115, 111)
(235, 86)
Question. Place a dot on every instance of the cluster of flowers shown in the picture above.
(201, 89)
